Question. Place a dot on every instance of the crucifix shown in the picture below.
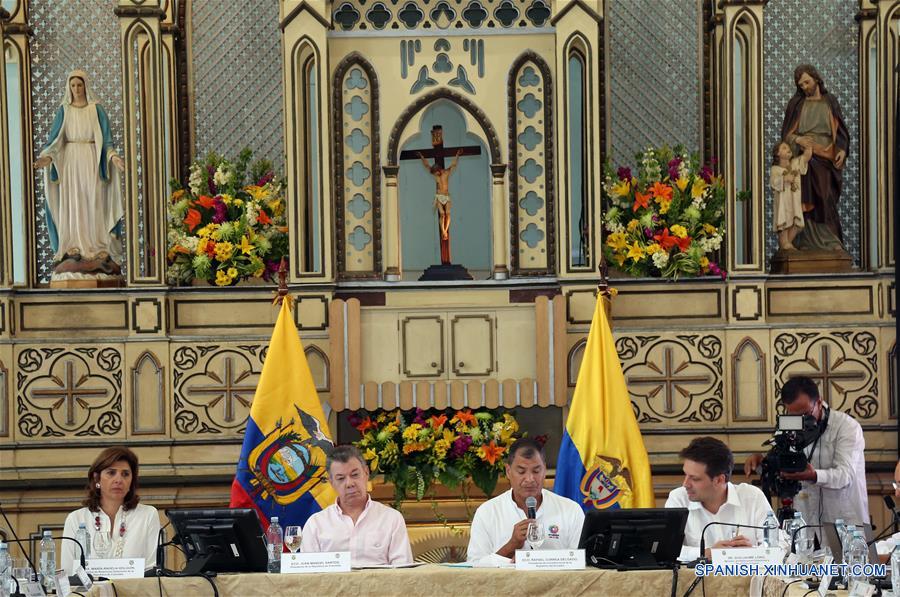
(441, 176)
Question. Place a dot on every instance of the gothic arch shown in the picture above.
(460, 100)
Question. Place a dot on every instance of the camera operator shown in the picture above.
(834, 483)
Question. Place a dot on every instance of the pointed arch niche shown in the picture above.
(748, 367)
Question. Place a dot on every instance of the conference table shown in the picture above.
(430, 579)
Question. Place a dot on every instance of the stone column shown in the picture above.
(391, 236)
(499, 222)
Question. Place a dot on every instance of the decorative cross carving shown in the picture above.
(69, 393)
(229, 391)
(827, 375)
(669, 380)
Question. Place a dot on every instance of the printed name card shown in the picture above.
(116, 568)
(31, 588)
(63, 588)
(550, 559)
(748, 556)
(304, 563)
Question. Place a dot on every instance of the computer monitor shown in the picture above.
(226, 540)
(645, 538)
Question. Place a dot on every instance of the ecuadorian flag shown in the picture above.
(602, 461)
(281, 471)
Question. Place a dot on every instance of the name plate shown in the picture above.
(550, 559)
(736, 556)
(63, 588)
(116, 568)
(31, 588)
(305, 563)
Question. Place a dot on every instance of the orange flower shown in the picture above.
(641, 200)
(210, 249)
(661, 191)
(665, 240)
(465, 417)
(684, 243)
(192, 219)
(438, 421)
(263, 218)
(491, 452)
(206, 201)
(367, 424)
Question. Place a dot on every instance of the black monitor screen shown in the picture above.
(633, 538)
(228, 540)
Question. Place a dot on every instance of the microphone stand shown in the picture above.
(703, 558)
(19, 542)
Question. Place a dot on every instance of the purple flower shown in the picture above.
(354, 419)
(673, 167)
(648, 232)
(706, 173)
(266, 179)
(221, 211)
(624, 173)
(420, 417)
(715, 270)
(460, 446)
(211, 173)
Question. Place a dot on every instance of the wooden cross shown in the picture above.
(827, 376)
(229, 391)
(438, 152)
(69, 393)
(669, 380)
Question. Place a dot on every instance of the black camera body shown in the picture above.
(786, 455)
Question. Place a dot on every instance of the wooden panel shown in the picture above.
(542, 346)
(148, 392)
(472, 340)
(406, 395)
(336, 338)
(206, 314)
(422, 338)
(371, 396)
(474, 395)
(354, 352)
(492, 394)
(441, 399)
(423, 394)
(509, 393)
(688, 303)
(526, 391)
(820, 302)
(559, 355)
(457, 395)
(389, 395)
(57, 316)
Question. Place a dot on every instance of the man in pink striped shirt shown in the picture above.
(374, 534)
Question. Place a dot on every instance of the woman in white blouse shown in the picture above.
(118, 526)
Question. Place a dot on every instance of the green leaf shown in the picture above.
(485, 479)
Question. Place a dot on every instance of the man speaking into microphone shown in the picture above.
(500, 525)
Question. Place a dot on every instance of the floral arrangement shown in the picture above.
(667, 220)
(415, 449)
(224, 228)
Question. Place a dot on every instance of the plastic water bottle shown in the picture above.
(275, 545)
(800, 536)
(5, 571)
(48, 562)
(840, 528)
(770, 531)
(84, 538)
(859, 555)
(895, 571)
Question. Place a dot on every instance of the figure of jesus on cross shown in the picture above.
(441, 174)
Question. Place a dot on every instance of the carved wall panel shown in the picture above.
(749, 372)
(843, 363)
(148, 391)
(213, 386)
(674, 378)
(69, 391)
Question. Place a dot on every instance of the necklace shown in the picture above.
(122, 526)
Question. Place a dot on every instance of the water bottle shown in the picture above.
(275, 545)
(840, 528)
(5, 571)
(895, 571)
(48, 562)
(770, 531)
(84, 538)
(845, 542)
(859, 555)
(800, 536)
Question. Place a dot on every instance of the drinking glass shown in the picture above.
(535, 535)
(100, 544)
(292, 536)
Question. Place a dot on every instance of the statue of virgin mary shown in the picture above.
(83, 202)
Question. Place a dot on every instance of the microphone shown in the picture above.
(31, 540)
(796, 531)
(724, 524)
(531, 504)
(13, 530)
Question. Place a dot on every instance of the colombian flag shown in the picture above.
(281, 471)
(602, 461)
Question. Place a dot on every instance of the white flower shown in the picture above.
(252, 212)
(699, 202)
(222, 177)
(189, 242)
(660, 259)
(196, 180)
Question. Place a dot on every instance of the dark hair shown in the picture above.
(104, 460)
(799, 385)
(713, 453)
(435, 169)
(809, 69)
(343, 453)
(528, 447)
(775, 150)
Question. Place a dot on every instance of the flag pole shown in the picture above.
(282, 291)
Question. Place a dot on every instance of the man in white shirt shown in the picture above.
(709, 496)
(373, 533)
(834, 482)
(501, 523)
